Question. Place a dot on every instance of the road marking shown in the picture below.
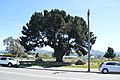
(44, 76)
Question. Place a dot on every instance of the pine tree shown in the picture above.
(58, 30)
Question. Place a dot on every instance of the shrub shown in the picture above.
(79, 62)
(39, 60)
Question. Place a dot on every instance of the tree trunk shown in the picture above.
(59, 58)
(58, 55)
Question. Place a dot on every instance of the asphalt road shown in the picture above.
(33, 74)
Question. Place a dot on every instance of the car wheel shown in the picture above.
(9, 64)
(16, 66)
(105, 71)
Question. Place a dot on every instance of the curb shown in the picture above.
(60, 69)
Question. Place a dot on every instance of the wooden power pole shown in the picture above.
(88, 14)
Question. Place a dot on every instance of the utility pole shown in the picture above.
(88, 14)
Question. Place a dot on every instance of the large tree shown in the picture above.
(58, 30)
(110, 54)
(13, 46)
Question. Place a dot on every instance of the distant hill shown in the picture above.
(117, 53)
(93, 52)
(42, 51)
(99, 53)
(96, 53)
(2, 51)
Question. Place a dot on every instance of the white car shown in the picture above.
(107, 67)
(9, 61)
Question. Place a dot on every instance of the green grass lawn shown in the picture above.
(93, 64)
(52, 64)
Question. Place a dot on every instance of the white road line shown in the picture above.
(44, 76)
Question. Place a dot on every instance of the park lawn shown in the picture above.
(81, 66)
(93, 64)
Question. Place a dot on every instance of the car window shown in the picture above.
(110, 64)
(3, 58)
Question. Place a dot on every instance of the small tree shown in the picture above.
(37, 55)
(110, 53)
(13, 46)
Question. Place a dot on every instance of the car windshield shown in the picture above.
(117, 64)
(101, 64)
(12, 59)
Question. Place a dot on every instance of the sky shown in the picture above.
(104, 18)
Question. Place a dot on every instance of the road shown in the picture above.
(32, 74)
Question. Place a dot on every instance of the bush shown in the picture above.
(39, 60)
(24, 55)
(37, 55)
(79, 62)
(46, 56)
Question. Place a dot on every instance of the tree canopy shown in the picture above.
(110, 53)
(58, 30)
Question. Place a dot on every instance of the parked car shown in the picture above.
(111, 66)
(9, 61)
